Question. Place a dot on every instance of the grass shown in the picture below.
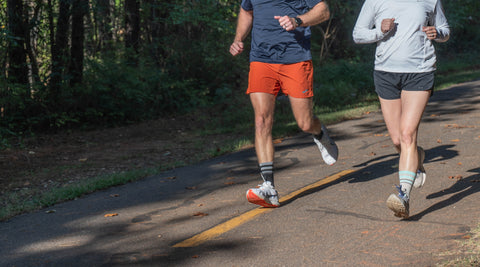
(468, 253)
(18, 202)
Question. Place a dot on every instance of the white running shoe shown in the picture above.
(327, 146)
(421, 174)
(265, 195)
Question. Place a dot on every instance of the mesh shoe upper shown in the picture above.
(327, 147)
(265, 195)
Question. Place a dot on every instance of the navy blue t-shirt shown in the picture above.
(270, 42)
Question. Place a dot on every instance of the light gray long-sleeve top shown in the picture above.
(404, 49)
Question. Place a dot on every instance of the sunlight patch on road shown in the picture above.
(241, 219)
(56, 244)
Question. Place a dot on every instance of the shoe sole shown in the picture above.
(254, 199)
(329, 160)
(397, 207)
(422, 178)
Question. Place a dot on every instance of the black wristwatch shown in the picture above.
(298, 21)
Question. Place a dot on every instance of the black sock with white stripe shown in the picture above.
(266, 171)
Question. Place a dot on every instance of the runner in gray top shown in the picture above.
(404, 77)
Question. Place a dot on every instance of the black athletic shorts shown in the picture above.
(389, 85)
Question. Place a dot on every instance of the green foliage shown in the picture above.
(183, 64)
(343, 83)
(464, 20)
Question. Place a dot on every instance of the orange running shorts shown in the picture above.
(295, 80)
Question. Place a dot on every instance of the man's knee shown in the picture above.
(306, 124)
(263, 123)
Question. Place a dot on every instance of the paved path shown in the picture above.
(330, 215)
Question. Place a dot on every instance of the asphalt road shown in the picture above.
(330, 215)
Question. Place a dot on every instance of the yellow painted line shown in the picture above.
(315, 185)
(241, 219)
(221, 228)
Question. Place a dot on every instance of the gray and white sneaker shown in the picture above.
(327, 146)
(421, 174)
(399, 204)
(265, 195)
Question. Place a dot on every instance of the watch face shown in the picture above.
(298, 21)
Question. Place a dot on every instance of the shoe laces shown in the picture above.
(267, 188)
(401, 194)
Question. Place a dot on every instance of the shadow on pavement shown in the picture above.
(461, 189)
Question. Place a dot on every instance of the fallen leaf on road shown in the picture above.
(200, 214)
(451, 125)
(111, 215)
(456, 126)
(82, 160)
(278, 141)
(229, 183)
(114, 195)
(439, 141)
(458, 177)
(455, 140)
(191, 187)
(171, 178)
(378, 135)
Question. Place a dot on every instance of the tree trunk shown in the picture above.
(30, 40)
(59, 51)
(132, 28)
(79, 9)
(104, 25)
(156, 29)
(17, 60)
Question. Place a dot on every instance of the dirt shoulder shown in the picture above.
(55, 160)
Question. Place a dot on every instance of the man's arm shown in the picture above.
(318, 14)
(244, 25)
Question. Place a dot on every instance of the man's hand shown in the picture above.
(430, 31)
(286, 22)
(387, 25)
(236, 48)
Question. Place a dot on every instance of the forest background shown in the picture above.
(161, 67)
(78, 63)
